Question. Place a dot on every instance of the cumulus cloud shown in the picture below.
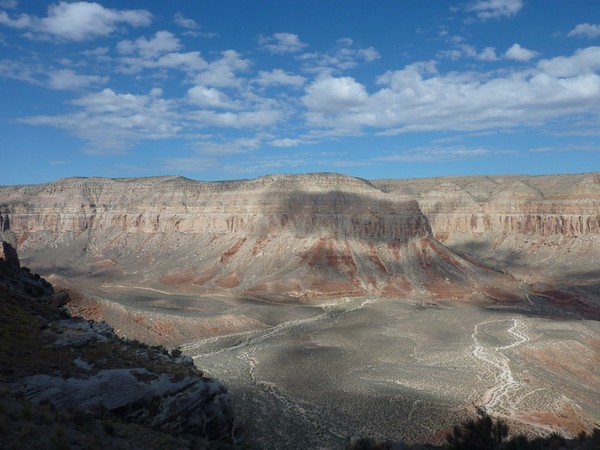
(185, 22)
(229, 146)
(38, 75)
(488, 54)
(67, 79)
(418, 98)
(285, 142)
(586, 30)
(344, 57)
(583, 62)
(111, 123)
(259, 118)
(210, 98)
(518, 53)
(462, 50)
(278, 77)
(158, 52)
(162, 42)
(281, 43)
(77, 21)
(222, 72)
(329, 94)
(14, 70)
(495, 9)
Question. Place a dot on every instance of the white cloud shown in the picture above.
(462, 50)
(495, 9)
(281, 43)
(78, 21)
(587, 30)
(566, 148)
(162, 42)
(222, 72)
(158, 52)
(488, 54)
(8, 4)
(230, 146)
(210, 98)
(259, 118)
(38, 75)
(14, 70)
(96, 52)
(329, 94)
(68, 79)
(437, 154)
(278, 77)
(185, 22)
(285, 142)
(518, 53)
(417, 98)
(584, 61)
(111, 123)
(345, 56)
(23, 21)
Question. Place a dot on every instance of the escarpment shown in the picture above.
(302, 206)
(545, 230)
(566, 205)
(297, 237)
(280, 236)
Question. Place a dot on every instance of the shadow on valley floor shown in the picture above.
(274, 418)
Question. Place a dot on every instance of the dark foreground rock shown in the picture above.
(93, 386)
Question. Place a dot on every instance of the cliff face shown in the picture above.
(566, 205)
(519, 223)
(287, 237)
(304, 236)
(301, 205)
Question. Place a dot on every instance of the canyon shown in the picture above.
(333, 306)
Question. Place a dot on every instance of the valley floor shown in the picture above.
(394, 369)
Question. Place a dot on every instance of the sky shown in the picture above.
(231, 89)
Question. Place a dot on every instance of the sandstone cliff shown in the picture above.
(278, 237)
(302, 237)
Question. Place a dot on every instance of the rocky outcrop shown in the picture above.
(8, 254)
(50, 358)
(191, 405)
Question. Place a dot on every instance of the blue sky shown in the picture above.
(237, 89)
